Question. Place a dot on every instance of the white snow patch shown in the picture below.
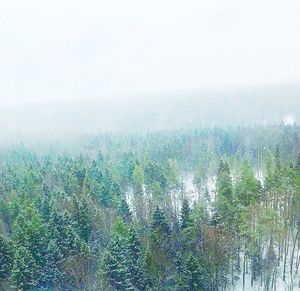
(289, 119)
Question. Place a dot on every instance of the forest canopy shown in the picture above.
(206, 209)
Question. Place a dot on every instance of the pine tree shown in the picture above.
(185, 219)
(23, 271)
(6, 258)
(64, 244)
(224, 204)
(62, 229)
(30, 232)
(124, 211)
(224, 181)
(192, 274)
(138, 178)
(114, 266)
(248, 188)
(53, 270)
(115, 189)
(83, 219)
(155, 173)
(161, 246)
(135, 272)
(297, 166)
(187, 231)
(45, 202)
(269, 265)
(160, 228)
(179, 265)
(256, 263)
(277, 158)
(105, 196)
(149, 268)
(133, 247)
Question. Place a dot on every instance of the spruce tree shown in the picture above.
(135, 271)
(149, 268)
(297, 166)
(277, 158)
(159, 226)
(192, 274)
(30, 232)
(248, 188)
(105, 196)
(185, 219)
(224, 181)
(62, 229)
(115, 267)
(6, 258)
(83, 219)
(179, 265)
(24, 269)
(256, 263)
(53, 270)
(161, 247)
(124, 211)
(224, 204)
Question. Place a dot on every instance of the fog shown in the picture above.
(88, 66)
(142, 113)
(149, 145)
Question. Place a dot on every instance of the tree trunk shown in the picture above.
(244, 270)
(286, 250)
(292, 255)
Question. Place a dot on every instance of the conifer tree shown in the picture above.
(161, 247)
(23, 271)
(224, 204)
(138, 178)
(185, 219)
(6, 258)
(248, 188)
(53, 270)
(297, 166)
(83, 219)
(160, 228)
(193, 274)
(62, 229)
(150, 268)
(30, 232)
(124, 211)
(102, 191)
(179, 265)
(114, 266)
(135, 271)
(224, 181)
(277, 158)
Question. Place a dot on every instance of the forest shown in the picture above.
(203, 209)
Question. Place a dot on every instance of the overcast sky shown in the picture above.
(59, 49)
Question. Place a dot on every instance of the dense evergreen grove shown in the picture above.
(116, 212)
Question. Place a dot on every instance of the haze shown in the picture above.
(150, 145)
(66, 50)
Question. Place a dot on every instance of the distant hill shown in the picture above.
(190, 109)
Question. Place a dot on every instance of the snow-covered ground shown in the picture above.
(193, 195)
(259, 175)
(208, 194)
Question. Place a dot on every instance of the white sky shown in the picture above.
(64, 49)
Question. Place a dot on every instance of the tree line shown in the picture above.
(115, 212)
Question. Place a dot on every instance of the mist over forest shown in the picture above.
(192, 191)
(149, 145)
(151, 112)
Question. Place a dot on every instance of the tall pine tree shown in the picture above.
(24, 269)
(6, 258)
(185, 219)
